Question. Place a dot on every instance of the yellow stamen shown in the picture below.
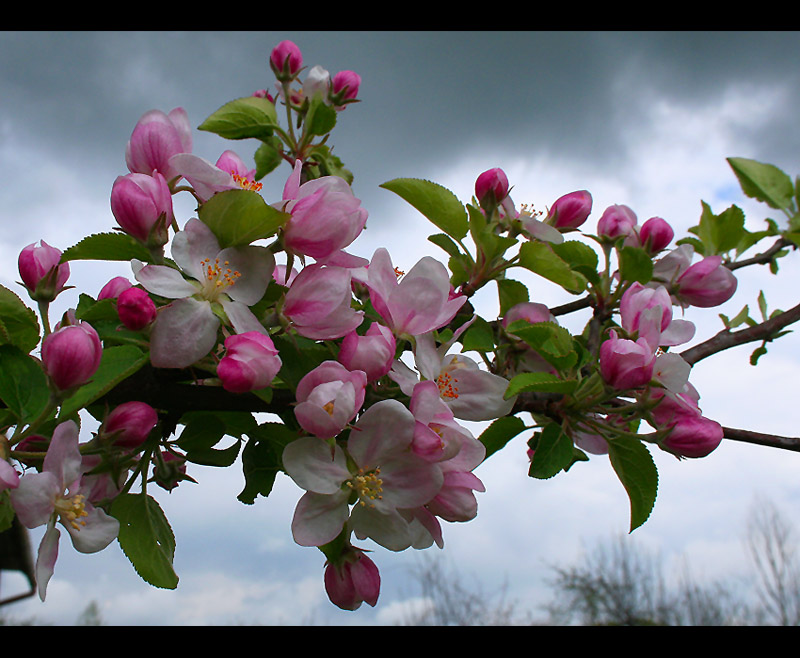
(245, 183)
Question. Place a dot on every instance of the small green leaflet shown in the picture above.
(107, 246)
(146, 538)
(764, 182)
(18, 323)
(500, 432)
(554, 453)
(239, 217)
(634, 466)
(243, 118)
(437, 203)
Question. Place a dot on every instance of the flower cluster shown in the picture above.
(375, 373)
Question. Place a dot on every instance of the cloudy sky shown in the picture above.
(643, 119)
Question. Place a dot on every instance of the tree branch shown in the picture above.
(726, 339)
(762, 258)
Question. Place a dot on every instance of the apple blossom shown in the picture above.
(42, 272)
(9, 478)
(373, 352)
(55, 495)
(129, 424)
(626, 364)
(420, 302)
(353, 580)
(157, 137)
(571, 210)
(344, 87)
(113, 288)
(707, 283)
(229, 173)
(378, 470)
(615, 222)
(655, 235)
(135, 308)
(318, 303)
(286, 60)
(142, 206)
(647, 312)
(71, 355)
(234, 278)
(491, 187)
(325, 215)
(251, 362)
(328, 398)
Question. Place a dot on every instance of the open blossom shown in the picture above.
(235, 278)
(325, 215)
(437, 435)
(318, 303)
(469, 392)
(251, 362)
(42, 271)
(328, 398)
(155, 139)
(378, 470)
(647, 311)
(55, 495)
(229, 173)
(420, 302)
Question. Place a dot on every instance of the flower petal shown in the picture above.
(183, 333)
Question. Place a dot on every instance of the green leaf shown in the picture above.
(500, 432)
(511, 293)
(553, 342)
(635, 265)
(579, 256)
(18, 323)
(554, 452)
(437, 203)
(445, 242)
(541, 382)
(720, 233)
(199, 436)
(268, 156)
(321, 117)
(764, 182)
(479, 337)
(107, 246)
(117, 364)
(239, 217)
(146, 538)
(634, 466)
(298, 357)
(539, 258)
(261, 459)
(243, 118)
(23, 384)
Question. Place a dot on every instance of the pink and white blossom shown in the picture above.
(378, 469)
(233, 278)
(55, 495)
(420, 302)
(250, 363)
(328, 398)
(373, 352)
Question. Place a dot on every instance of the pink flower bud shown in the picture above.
(169, 473)
(251, 362)
(155, 139)
(373, 352)
(286, 60)
(344, 86)
(626, 364)
(136, 309)
(491, 187)
(142, 206)
(129, 424)
(329, 397)
(71, 355)
(707, 283)
(570, 210)
(693, 436)
(615, 222)
(354, 582)
(655, 235)
(41, 272)
(533, 312)
(113, 288)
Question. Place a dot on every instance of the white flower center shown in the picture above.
(218, 277)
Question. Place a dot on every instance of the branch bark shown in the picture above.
(726, 339)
